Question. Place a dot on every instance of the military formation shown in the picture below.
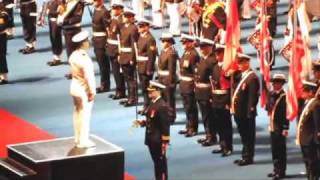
(125, 46)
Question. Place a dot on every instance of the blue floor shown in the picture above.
(40, 94)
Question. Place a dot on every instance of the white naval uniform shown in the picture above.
(138, 8)
(174, 12)
(83, 83)
(157, 15)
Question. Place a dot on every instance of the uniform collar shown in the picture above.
(279, 91)
(245, 72)
(168, 48)
(155, 100)
(144, 34)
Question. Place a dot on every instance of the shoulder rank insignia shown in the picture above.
(152, 113)
(244, 85)
(152, 48)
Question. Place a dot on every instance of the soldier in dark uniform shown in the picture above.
(157, 129)
(188, 63)
(100, 21)
(70, 16)
(244, 102)
(203, 89)
(28, 14)
(147, 53)
(55, 31)
(279, 125)
(127, 58)
(113, 43)
(308, 130)
(213, 19)
(220, 84)
(167, 70)
(4, 24)
(9, 4)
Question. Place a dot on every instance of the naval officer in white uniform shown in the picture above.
(83, 89)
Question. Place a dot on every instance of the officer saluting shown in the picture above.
(220, 83)
(244, 102)
(308, 131)
(82, 89)
(279, 125)
(28, 13)
(167, 65)
(127, 58)
(4, 24)
(157, 129)
(113, 44)
(188, 63)
(100, 21)
(147, 53)
(203, 89)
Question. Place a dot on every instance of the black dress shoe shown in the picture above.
(278, 176)
(270, 175)
(190, 133)
(112, 96)
(201, 140)
(217, 151)
(208, 142)
(123, 102)
(226, 153)
(28, 50)
(102, 90)
(245, 162)
(237, 161)
(129, 104)
(2, 82)
(184, 131)
(116, 97)
(54, 63)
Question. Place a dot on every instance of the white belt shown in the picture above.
(203, 85)
(163, 73)
(126, 50)
(219, 91)
(142, 58)
(25, 3)
(53, 19)
(113, 42)
(186, 78)
(34, 14)
(99, 34)
(71, 26)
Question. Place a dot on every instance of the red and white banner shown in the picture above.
(232, 36)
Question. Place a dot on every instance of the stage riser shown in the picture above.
(58, 159)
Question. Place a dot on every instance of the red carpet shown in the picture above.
(16, 130)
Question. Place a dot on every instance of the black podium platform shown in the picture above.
(58, 159)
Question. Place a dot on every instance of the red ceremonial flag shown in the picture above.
(264, 54)
(295, 78)
(232, 36)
